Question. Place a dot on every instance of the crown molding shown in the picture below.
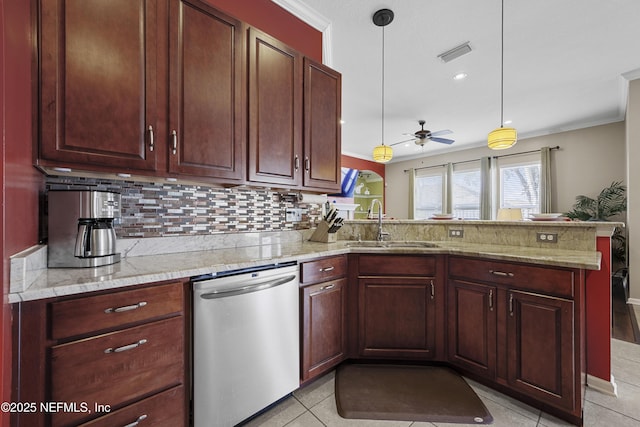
(315, 20)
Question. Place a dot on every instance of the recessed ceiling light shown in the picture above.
(342, 122)
(460, 76)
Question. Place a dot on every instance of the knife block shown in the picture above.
(322, 234)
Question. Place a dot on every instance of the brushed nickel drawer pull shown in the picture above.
(491, 300)
(136, 422)
(307, 164)
(151, 141)
(296, 163)
(327, 287)
(174, 137)
(433, 290)
(501, 273)
(125, 347)
(325, 269)
(126, 308)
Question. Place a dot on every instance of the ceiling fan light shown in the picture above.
(382, 153)
(502, 138)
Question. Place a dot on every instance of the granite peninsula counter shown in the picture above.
(144, 262)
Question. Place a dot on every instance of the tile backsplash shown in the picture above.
(152, 209)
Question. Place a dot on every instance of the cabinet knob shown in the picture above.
(151, 138)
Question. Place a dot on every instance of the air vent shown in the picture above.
(456, 52)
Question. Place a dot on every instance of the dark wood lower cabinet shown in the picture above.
(396, 317)
(521, 328)
(540, 348)
(472, 327)
(323, 327)
(114, 358)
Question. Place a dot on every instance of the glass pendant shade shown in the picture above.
(382, 153)
(502, 138)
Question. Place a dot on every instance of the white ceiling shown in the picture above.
(567, 64)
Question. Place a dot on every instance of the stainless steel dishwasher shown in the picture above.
(246, 351)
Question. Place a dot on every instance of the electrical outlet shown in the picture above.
(547, 237)
(293, 215)
(456, 233)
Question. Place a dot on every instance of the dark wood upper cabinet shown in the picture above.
(98, 82)
(322, 134)
(275, 111)
(207, 97)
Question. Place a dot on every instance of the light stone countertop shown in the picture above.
(155, 268)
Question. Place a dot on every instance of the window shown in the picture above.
(466, 188)
(520, 186)
(428, 194)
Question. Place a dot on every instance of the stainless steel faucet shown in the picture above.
(381, 234)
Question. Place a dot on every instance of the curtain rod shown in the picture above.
(557, 147)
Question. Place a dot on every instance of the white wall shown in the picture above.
(588, 160)
(633, 178)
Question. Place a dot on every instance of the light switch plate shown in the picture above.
(293, 215)
(456, 233)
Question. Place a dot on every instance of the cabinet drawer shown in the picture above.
(90, 314)
(324, 269)
(529, 277)
(396, 265)
(164, 409)
(117, 367)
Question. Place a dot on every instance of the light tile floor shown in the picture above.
(314, 405)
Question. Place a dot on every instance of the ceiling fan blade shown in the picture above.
(402, 142)
(409, 134)
(441, 132)
(443, 140)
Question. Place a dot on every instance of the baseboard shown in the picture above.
(634, 301)
(603, 386)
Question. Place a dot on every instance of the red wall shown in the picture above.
(272, 19)
(21, 183)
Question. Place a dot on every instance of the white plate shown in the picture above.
(442, 216)
(546, 215)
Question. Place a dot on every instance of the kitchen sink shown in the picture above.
(391, 244)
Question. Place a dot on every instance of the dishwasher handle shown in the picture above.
(254, 287)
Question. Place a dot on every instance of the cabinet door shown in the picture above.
(323, 327)
(98, 83)
(275, 111)
(322, 137)
(396, 317)
(206, 76)
(540, 345)
(472, 327)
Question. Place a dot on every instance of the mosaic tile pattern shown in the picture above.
(169, 209)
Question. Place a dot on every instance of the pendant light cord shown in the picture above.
(382, 85)
(502, 68)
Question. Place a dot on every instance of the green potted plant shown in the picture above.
(611, 201)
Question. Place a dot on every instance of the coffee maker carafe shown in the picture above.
(81, 232)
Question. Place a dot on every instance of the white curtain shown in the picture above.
(448, 200)
(485, 188)
(545, 180)
(412, 192)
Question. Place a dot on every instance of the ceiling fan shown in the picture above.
(423, 136)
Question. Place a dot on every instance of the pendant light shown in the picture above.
(502, 137)
(382, 153)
